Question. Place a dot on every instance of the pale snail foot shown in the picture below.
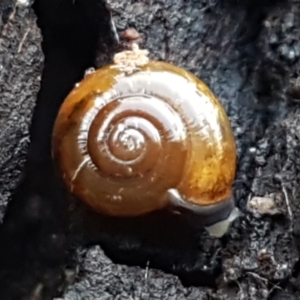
(220, 228)
(216, 218)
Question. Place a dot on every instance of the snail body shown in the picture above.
(130, 141)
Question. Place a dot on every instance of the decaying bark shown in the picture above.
(249, 55)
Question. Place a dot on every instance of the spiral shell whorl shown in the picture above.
(128, 134)
(123, 140)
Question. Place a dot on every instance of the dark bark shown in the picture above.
(248, 53)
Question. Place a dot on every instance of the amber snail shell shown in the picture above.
(128, 134)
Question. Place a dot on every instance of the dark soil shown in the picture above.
(51, 245)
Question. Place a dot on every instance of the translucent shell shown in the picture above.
(123, 141)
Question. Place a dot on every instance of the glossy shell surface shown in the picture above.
(121, 141)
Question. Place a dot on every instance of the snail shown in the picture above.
(140, 135)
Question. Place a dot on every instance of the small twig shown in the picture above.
(275, 286)
(146, 277)
(23, 40)
(258, 277)
(147, 270)
(287, 201)
(242, 294)
(114, 28)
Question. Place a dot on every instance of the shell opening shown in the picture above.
(215, 218)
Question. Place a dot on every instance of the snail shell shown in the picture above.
(125, 141)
